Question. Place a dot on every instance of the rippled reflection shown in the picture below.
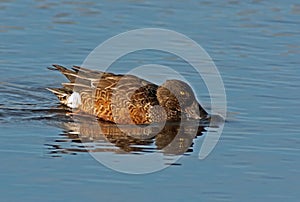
(86, 134)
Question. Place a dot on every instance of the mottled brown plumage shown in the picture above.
(126, 99)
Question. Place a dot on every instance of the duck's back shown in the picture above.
(123, 99)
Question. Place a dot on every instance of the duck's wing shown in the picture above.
(125, 99)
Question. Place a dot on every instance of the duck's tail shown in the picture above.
(78, 74)
(62, 94)
(69, 74)
(80, 79)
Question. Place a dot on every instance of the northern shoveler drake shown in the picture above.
(126, 99)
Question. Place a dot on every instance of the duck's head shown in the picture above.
(176, 95)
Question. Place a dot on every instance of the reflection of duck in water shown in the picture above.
(92, 135)
(126, 99)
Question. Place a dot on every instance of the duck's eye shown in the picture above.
(182, 93)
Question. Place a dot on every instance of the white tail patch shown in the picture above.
(74, 101)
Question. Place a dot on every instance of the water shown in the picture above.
(255, 45)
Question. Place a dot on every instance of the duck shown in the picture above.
(126, 99)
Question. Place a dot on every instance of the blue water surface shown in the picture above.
(254, 44)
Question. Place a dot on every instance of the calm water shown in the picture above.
(255, 45)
